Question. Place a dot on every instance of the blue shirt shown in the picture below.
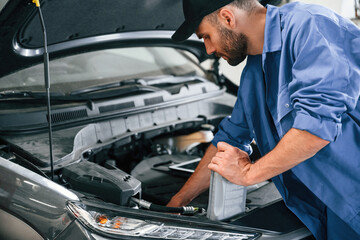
(308, 78)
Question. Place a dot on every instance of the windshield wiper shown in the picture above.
(79, 95)
(100, 87)
(143, 84)
(112, 90)
(125, 87)
(170, 79)
(27, 94)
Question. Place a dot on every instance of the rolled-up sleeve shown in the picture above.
(325, 84)
(234, 130)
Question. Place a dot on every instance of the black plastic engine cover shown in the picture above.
(112, 185)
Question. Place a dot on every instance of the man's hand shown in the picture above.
(295, 147)
(232, 163)
(198, 182)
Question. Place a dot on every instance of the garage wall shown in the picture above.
(343, 7)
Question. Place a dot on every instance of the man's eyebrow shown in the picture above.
(200, 35)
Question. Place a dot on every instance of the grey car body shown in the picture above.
(126, 103)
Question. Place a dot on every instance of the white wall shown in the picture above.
(342, 7)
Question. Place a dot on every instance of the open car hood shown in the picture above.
(83, 25)
(75, 26)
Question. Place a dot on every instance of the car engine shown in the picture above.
(115, 169)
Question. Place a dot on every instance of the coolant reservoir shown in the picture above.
(225, 198)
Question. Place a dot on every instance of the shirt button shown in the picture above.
(287, 105)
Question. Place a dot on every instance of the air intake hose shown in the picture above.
(188, 210)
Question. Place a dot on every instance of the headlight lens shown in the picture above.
(109, 222)
(106, 222)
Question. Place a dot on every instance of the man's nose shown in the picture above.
(209, 48)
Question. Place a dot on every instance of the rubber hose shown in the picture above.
(160, 208)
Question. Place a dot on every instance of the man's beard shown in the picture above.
(233, 45)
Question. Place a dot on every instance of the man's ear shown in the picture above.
(227, 17)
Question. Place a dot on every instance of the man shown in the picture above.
(298, 98)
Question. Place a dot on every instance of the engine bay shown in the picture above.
(115, 170)
(94, 160)
(130, 156)
(137, 165)
(141, 168)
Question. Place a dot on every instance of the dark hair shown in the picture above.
(247, 5)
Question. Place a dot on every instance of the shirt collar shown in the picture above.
(272, 39)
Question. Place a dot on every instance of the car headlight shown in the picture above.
(110, 222)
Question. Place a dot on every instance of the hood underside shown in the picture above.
(75, 26)
(86, 25)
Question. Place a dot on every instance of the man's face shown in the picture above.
(233, 46)
(223, 42)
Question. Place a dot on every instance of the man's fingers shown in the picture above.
(222, 146)
(215, 160)
(214, 167)
(216, 164)
(225, 147)
(220, 154)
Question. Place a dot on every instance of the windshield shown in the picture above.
(101, 67)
